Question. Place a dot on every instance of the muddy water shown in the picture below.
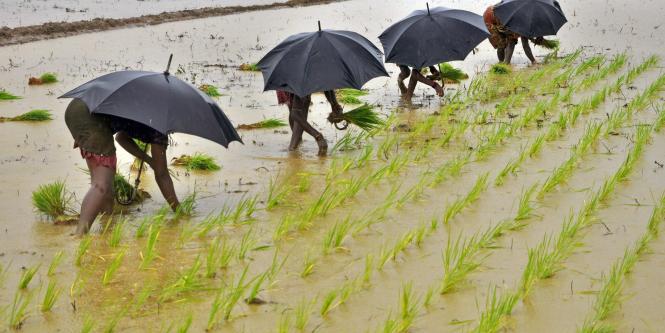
(35, 154)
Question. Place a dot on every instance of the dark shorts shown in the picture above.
(91, 132)
(138, 131)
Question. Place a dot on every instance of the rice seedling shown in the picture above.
(303, 313)
(82, 249)
(234, 295)
(266, 123)
(185, 325)
(363, 116)
(450, 169)
(7, 96)
(142, 227)
(55, 262)
(228, 252)
(50, 296)
(304, 182)
(453, 209)
(308, 264)
(496, 309)
(49, 78)
(244, 209)
(525, 207)
(215, 309)
(210, 90)
(88, 325)
(458, 262)
(253, 296)
(213, 257)
(247, 242)
(53, 200)
(116, 234)
(276, 194)
(27, 276)
(452, 74)
(31, 116)
(327, 302)
(18, 309)
(336, 235)
(148, 254)
(115, 319)
(186, 207)
(368, 270)
(187, 281)
(501, 69)
(113, 268)
(249, 67)
(350, 96)
(284, 323)
(198, 161)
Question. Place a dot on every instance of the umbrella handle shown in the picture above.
(168, 66)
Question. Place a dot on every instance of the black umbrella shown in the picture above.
(531, 18)
(158, 100)
(319, 61)
(433, 36)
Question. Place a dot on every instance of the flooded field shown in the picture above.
(524, 202)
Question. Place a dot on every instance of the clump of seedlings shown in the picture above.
(18, 309)
(450, 74)
(501, 69)
(198, 161)
(148, 254)
(266, 123)
(31, 116)
(27, 276)
(7, 96)
(113, 268)
(496, 309)
(54, 201)
(210, 90)
(249, 68)
(350, 96)
(57, 259)
(363, 117)
(50, 296)
(82, 249)
(186, 207)
(45, 78)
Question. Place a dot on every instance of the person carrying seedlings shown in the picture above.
(128, 130)
(298, 112)
(94, 137)
(415, 77)
(504, 40)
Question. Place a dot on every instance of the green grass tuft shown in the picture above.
(198, 161)
(49, 78)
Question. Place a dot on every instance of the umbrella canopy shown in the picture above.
(158, 100)
(531, 18)
(319, 61)
(433, 36)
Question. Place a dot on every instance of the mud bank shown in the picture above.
(50, 30)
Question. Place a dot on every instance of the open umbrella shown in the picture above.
(158, 100)
(433, 36)
(319, 61)
(531, 18)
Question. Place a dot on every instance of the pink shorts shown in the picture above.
(99, 160)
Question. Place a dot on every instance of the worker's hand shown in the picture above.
(337, 109)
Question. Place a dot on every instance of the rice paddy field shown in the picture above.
(525, 201)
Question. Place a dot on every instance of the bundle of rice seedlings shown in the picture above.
(210, 90)
(550, 44)
(6, 96)
(49, 78)
(350, 96)
(450, 74)
(198, 161)
(363, 117)
(266, 123)
(122, 188)
(34, 115)
(249, 68)
(54, 201)
(501, 69)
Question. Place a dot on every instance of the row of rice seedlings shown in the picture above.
(456, 207)
(543, 262)
(113, 267)
(30, 116)
(198, 161)
(50, 296)
(650, 62)
(55, 262)
(615, 65)
(54, 200)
